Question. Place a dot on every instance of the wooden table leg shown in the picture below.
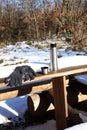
(60, 101)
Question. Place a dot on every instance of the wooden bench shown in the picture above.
(7, 92)
(58, 79)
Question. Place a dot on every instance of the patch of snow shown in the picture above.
(82, 126)
(49, 125)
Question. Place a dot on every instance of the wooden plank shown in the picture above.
(25, 85)
(60, 101)
(27, 88)
(7, 92)
(61, 72)
(75, 70)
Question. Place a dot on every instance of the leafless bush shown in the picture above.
(35, 19)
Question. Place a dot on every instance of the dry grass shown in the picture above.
(1, 61)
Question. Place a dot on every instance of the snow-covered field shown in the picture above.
(23, 54)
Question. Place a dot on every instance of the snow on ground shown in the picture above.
(82, 126)
(20, 54)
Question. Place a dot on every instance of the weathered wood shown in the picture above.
(29, 87)
(25, 85)
(75, 70)
(26, 88)
(59, 89)
(39, 103)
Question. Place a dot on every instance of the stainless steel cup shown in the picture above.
(44, 70)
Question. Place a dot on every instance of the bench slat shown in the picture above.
(25, 85)
(26, 88)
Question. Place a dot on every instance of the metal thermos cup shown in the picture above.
(53, 57)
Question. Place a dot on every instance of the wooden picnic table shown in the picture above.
(59, 88)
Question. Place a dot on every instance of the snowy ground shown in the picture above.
(20, 54)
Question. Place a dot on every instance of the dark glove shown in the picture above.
(20, 73)
(28, 73)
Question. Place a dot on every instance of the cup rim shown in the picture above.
(45, 67)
